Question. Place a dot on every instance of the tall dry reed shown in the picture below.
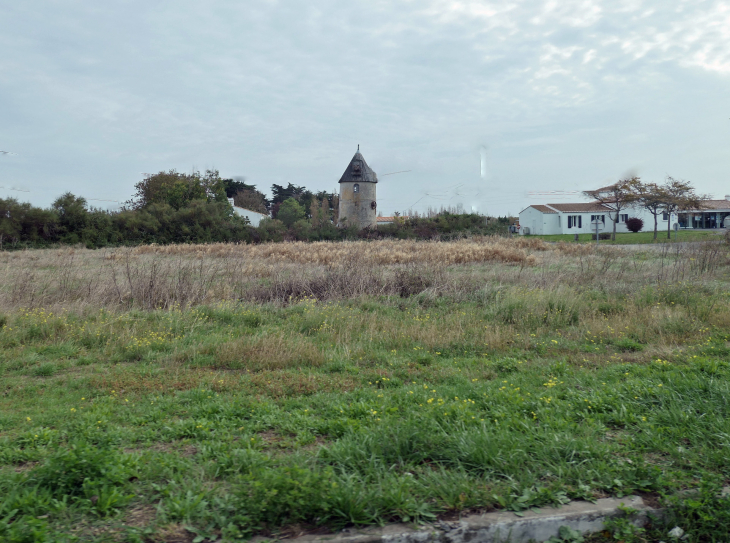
(185, 275)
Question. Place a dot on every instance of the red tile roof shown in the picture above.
(391, 219)
(543, 209)
(709, 205)
(580, 207)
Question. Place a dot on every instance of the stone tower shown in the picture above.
(357, 194)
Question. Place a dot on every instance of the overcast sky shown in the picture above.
(558, 95)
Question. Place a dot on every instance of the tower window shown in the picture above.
(356, 187)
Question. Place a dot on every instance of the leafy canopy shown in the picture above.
(178, 190)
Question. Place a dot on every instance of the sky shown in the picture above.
(491, 105)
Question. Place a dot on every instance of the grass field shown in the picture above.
(218, 392)
(641, 237)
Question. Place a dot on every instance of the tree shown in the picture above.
(281, 193)
(178, 189)
(319, 212)
(651, 197)
(72, 216)
(23, 223)
(616, 197)
(238, 183)
(290, 212)
(679, 195)
(251, 199)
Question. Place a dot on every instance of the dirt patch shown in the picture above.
(172, 447)
(295, 530)
(124, 378)
(140, 516)
(319, 441)
(652, 499)
(25, 466)
(175, 533)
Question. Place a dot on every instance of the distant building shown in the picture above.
(253, 217)
(714, 214)
(358, 203)
(549, 219)
(391, 220)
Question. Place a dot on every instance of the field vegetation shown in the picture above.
(205, 392)
(640, 238)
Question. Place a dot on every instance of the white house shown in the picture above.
(253, 217)
(576, 218)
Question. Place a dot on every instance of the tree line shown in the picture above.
(670, 197)
(173, 207)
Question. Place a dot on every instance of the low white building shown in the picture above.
(549, 219)
(714, 214)
(254, 218)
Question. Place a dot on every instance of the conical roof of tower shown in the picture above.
(358, 171)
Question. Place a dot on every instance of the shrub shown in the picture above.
(69, 470)
(45, 370)
(634, 224)
(290, 212)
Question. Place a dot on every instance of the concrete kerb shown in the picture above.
(501, 526)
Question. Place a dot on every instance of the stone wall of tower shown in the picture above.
(357, 207)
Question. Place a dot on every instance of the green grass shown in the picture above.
(642, 237)
(230, 420)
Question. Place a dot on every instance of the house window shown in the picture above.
(601, 218)
(356, 187)
(623, 217)
(575, 220)
(664, 216)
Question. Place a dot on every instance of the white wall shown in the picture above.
(534, 220)
(557, 223)
(253, 217)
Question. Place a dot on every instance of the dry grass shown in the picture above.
(153, 277)
(269, 352)
(382, 252)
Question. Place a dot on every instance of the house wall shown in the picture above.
(253, 217)
(534, 220)
(557, 223)
(642, 214)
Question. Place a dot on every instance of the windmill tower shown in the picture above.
(357, 194)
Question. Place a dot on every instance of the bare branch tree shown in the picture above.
(679, 195)
(616, 197)
(651, 197)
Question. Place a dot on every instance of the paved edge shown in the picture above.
(498, 527)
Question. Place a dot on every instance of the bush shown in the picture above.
(634, 224)
(70, 470)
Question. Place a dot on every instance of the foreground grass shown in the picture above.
(356, 413)
(231, 419)
(641, 238)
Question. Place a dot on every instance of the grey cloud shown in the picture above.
(565, 94)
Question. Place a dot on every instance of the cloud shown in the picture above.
(562, 92)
